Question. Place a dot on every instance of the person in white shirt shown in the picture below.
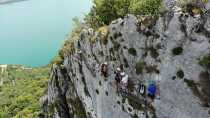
(124, 80)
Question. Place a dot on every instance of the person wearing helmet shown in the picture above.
(118, 77)
(104, 69)
(152, 91)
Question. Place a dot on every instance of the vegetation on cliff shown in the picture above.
(205, 61)
(105, 11)
(102, 14)
(20, 98)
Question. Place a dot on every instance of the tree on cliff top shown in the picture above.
(105, 11)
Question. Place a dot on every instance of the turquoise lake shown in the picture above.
(31, 32)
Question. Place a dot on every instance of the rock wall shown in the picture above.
(165, 49)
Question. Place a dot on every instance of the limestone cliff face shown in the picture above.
(165, 49)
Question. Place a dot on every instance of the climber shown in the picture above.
(151, 91)
(118, 77)
(104, 69)
(124, 81)
(141, 88)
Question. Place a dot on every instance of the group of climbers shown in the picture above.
(152, 89)
(121, 78)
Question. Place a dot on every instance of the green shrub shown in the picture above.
(67, 48)
(58, 60)
(177, 50)
(180, 74)
(132, 51)
(136, 105)
(145, 7)
(190, 83)
(131, 86)
(3, 114)
(153, 52)
(103, 31)
(105, 11)
(140, 67)
(151, 69)
(205, 61)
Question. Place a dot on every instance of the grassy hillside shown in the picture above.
(21, 91)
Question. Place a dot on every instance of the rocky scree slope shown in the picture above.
(166, 48)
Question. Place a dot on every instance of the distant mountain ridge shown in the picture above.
(9, 1)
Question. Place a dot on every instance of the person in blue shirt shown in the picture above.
(152, 89)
